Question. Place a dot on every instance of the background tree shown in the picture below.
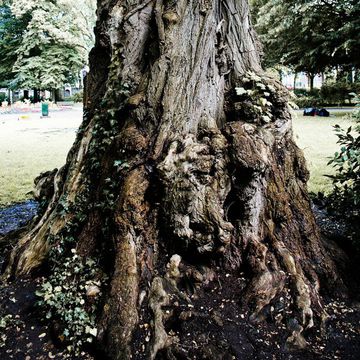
(11, 31)
(55, 43)
(310, 35)
(184, 170)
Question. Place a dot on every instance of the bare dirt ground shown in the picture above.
(213, 325)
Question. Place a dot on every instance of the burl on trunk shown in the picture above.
(184, 168)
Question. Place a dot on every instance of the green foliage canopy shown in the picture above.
(11, 30)
(50, 44)
(309, 35)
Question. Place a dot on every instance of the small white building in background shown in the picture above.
(302, 80)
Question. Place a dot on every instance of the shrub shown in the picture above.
(78, 97)
(307, 98)
(3, 97)
(346, 181)
(345, 198)
(301, 92)
(330, 94)
(70, 297)
(356, 113)
(338, 93)
(308, 101)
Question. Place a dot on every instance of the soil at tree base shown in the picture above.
(212, 326)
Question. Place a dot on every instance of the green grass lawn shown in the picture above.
(316, 137)
(30, 146)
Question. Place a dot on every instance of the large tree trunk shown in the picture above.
(176, 177)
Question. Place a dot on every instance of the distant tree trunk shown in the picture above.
(295, 79)
(53, 96)
(56, 95)
(36, 95)
(10, 97)
(176, 178)
(349, 74)
(311, 81)
(26, 94)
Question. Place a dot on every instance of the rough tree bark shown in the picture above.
(176, 176)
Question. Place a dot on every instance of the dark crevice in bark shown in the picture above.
(236, 203)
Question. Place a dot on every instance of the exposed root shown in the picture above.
(266, 283)
(44, 186)
(303, 291)
(296, 340)
(173, 272)
(157, 299)
(32, 248)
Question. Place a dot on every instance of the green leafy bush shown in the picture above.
(70, 297)
(308, 101)
(338, 93)
(346, 181)
(301, 92)
(356, 113)
(330, 94)
(307, 98)
(78, 97)
(345, 198)
(3, 97)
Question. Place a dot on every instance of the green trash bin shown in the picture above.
(45, 109)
